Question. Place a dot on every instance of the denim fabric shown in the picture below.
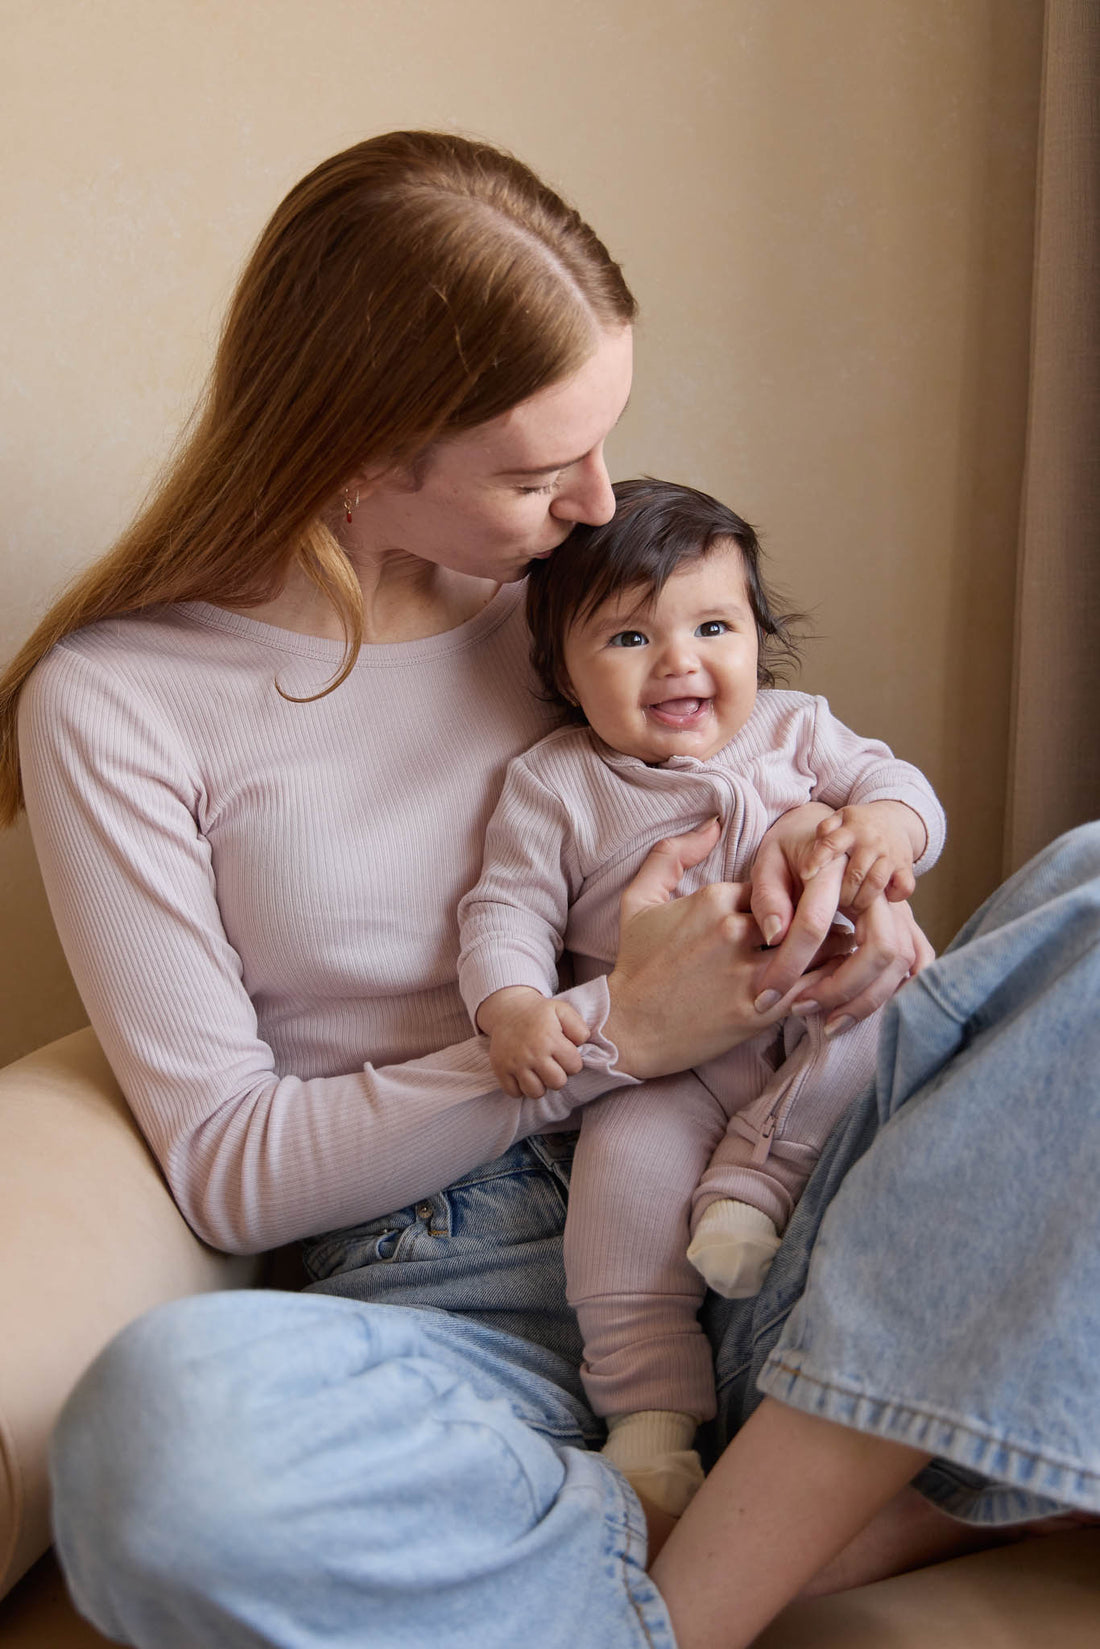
(487, 1248)
(290, 1470)
(953, 1297)
(293, 1470)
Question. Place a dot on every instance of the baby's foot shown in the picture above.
(650, 1449)
(733, 1248)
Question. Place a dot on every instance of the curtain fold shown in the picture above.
(1054, 771)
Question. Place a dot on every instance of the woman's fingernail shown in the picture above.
(773, 927)
(836, 1027)
(766, 1000)
(805, 1009)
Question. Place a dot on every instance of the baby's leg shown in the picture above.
(744, 1199)
(647, 1366)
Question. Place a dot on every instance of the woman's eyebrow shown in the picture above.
(566, 463)
(543, 469)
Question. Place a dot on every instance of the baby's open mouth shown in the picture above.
(677, 712)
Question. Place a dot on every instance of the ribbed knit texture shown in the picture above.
(257, 900)
(574, 822)
(576, 819)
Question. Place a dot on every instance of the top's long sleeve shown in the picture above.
(257, 900)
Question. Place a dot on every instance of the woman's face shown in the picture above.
(497, 496)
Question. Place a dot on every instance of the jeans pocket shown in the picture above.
(507, 1205)
(374, 1242)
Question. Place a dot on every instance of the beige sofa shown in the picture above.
(91, 1238)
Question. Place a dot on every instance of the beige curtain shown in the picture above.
(1054, 780)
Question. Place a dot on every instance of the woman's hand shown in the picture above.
(886, 947)
(689, 971)
(691, 979)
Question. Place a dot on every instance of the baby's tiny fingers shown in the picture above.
(550, 1072)
(901, 885)
(568, 1059)
(865, 878)
(572, 1024)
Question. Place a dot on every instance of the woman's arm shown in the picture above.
(255, 1157)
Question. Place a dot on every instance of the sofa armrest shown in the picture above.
(91, 1238)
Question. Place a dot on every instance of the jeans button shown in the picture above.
(424, 1210)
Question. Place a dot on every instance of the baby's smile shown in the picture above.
(673, 674)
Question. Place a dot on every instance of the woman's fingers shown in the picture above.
(890, 947)
(809, 927)
(885, 949)
(664, 866)
(774, 891)
(925, 951)
(777, 870)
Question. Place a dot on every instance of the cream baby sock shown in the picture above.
(652, 1450)
(733, 1247)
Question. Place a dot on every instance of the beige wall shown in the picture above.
(824, 206)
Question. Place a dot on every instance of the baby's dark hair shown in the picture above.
(657, 527)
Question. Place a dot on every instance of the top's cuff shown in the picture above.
(601, 1074)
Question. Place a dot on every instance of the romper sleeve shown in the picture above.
(852, 769)
(253, 1158)
(511, 923)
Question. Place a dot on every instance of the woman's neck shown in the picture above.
(404, 599)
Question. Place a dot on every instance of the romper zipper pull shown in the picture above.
(764, 1143)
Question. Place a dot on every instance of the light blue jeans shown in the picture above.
(357, 1465)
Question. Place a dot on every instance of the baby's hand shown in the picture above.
(880, 841)
(533, 1040)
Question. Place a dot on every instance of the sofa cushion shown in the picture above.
(91, 1238)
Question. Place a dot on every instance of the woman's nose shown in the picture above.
(587, 494)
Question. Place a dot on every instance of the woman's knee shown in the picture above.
(1062, 881)
(153, 1441)
(211, 1431)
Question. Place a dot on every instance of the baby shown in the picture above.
(656, 635)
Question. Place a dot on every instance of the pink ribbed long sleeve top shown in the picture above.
(257, 900)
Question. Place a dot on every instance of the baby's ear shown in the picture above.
(565, 688)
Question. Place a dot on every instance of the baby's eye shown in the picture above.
(628, 638)
(712, 627)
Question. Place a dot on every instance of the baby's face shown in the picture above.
(675, 676)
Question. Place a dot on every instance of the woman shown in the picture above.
(259, 746)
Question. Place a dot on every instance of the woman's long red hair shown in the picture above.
(409, 288)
